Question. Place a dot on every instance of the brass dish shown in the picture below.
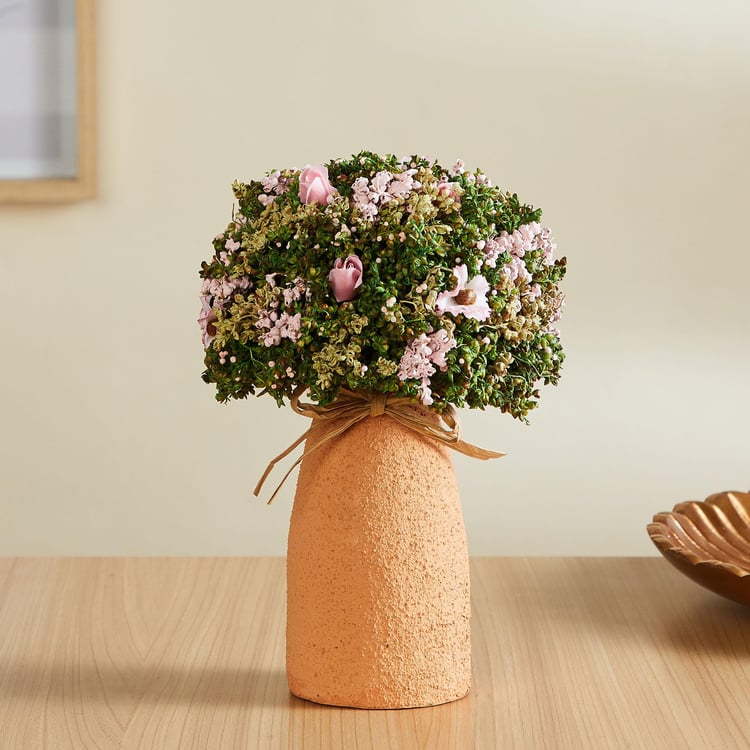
(709, 541)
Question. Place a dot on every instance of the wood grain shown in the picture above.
(189, 653)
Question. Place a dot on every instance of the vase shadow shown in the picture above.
(464, 704)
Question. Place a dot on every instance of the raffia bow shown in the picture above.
(351, 407)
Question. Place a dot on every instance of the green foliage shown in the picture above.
(275, 256)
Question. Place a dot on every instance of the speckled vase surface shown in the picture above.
(378, 607)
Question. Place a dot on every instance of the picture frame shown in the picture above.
(47, 101)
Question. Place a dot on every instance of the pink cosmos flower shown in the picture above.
(206, 321)
(314, 185)
(468, 298)
(345, 278)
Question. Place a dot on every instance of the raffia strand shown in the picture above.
(351, 407)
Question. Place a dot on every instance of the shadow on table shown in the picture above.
(212, 686)
(712, 626)
(656, 604)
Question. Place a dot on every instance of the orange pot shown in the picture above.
(378, 601)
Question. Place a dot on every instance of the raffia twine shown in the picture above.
(351, 407)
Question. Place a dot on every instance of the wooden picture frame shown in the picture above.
(39, 182)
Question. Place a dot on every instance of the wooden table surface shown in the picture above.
(189, 653)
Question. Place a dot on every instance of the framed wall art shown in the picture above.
(47, 108)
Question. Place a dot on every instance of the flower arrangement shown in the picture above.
(385, 275)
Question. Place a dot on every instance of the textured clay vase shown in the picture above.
(377, 572)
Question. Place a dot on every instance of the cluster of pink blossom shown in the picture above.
(230, 246)
(533, 292)
(295, 291)
(275, 325)
(492, 248)
(292, 292)
(449, 189)
(556, 315)
(381, 189)
(526, 238)
(273, 184)
(216, 293)
(479, 179)
(278, 326)
(222, 289)
(516, 271)
(457, 168)
(421, 356)
(364, 199)
(403, 184)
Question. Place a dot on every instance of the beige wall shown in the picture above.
(627, 122)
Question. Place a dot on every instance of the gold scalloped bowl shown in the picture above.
(709, 541)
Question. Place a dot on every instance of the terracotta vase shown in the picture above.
(378, 609)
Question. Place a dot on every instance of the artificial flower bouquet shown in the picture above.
(380, 275)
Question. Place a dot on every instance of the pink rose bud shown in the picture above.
(345, 278)
(314, 185)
